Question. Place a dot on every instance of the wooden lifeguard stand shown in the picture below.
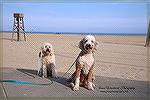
(18, 26)
(148, 36)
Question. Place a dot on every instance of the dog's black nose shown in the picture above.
(47, 50)
(88, 46)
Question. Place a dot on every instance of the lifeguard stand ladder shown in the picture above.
(148, 36)
(18, 26)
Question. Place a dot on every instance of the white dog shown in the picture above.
(47, 61)
(83, 75)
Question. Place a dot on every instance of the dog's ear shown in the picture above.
(40, 54)
(95, 46)
(41, 51)
(81, 44)
(42, 47)
(52, 51)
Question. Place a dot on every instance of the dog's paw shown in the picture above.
(44, 76)
(55, 77)
(39, 74)
(90, 86)
(75, 88)
(71, 85)
(93, 85)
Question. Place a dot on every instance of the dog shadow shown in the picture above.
(60, 80)
(30, 71)
(63, 80)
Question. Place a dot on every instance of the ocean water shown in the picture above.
(74, 33)
(128, 34)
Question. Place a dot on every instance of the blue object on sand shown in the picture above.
(24, 82)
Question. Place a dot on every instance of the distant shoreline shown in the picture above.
(120, 34)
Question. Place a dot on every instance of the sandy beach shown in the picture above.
(117, 56)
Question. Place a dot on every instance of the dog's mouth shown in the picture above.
(88, 47)
(48, 51)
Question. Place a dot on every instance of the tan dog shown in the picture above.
(84, 76)
(47, 61)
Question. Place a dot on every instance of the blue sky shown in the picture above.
(79, 17)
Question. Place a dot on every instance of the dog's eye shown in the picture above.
(92, 41)
(86, 40)
(46, 46)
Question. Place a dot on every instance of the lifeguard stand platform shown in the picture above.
(18, 26)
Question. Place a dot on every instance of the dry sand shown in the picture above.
(117, 56)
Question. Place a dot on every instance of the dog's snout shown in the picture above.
(47, 50)
(88, 46)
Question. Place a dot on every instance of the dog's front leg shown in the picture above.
(40, 69)
(90, 79)
(54, 72)
(77, 77)
(44, 71)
